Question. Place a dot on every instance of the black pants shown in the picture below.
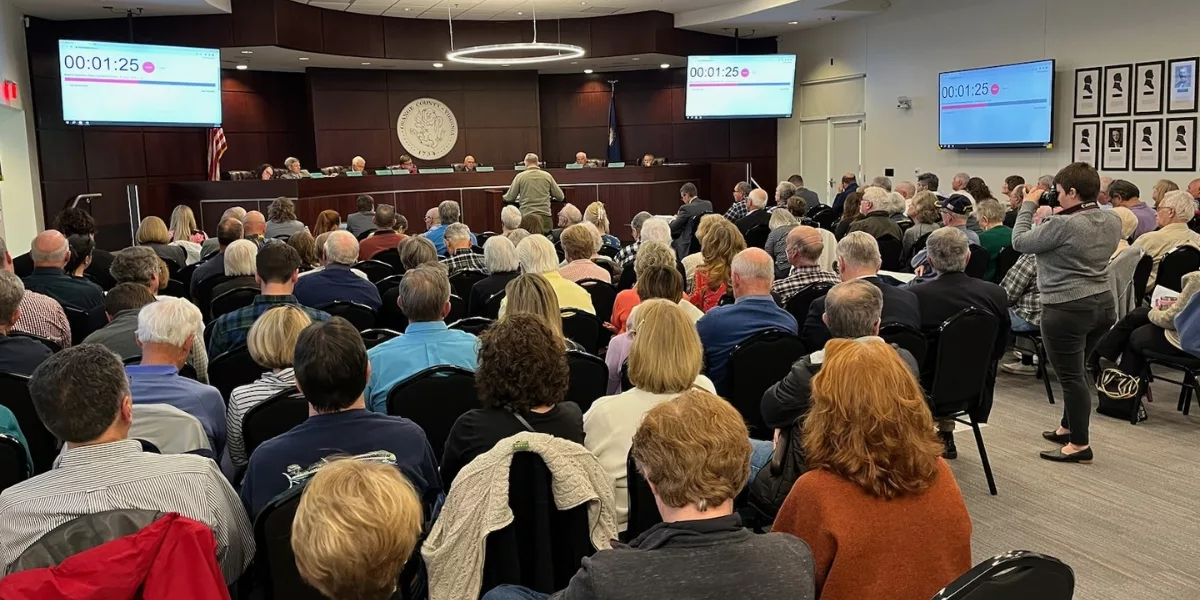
(1071, 331)
(1131, 337)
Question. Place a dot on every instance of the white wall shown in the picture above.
(902, 50)
(20, 193)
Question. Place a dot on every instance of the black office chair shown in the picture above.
(185, 275)
(978, 263)
(203, 297)
(273, 417)
(390, 315)
(364, 235)
(756, 237)
(375, 270)
(14, 468)
(907, 337)
(173, 267)
(81, 324)
(187, 370)
(608, 251)
(462, 282)
(799, 303)
(1141, 278)
(391, 257)
(603, 294)
(492, 306)
(434, 399)
(1191, 372)
(1005, 261)
(890, 251)
(1017, 574)
(458, 309)
(233, 368)
(695, 246)
(43, 446)
(754, 364)
(1175, 264)
(51, 344)
(232, 300)
(361, 316)
(275, 569)
(582, 327)
(643, 510)
(472, 325)
(375, 337)
(1039, 348)
(589, 378)
(558, 249)
(963, 355)
(387, 283)
(824, 216)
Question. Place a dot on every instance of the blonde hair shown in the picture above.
(356, 526)
(152, 230)
(871, 426)
(531, 293)
(1161, 188)
(272, 338)
(164, 275)
(653, 254)
(579, 242)
(183, 223)
(666, 355)
(924, 208)
(598, 216)
(720, 242)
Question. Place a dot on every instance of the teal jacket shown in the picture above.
(9, 427)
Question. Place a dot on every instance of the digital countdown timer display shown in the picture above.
(740, 87)
(136, 84)
(1010, 106)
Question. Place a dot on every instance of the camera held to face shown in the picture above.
(1049, 198)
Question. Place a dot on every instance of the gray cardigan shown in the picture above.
(1072, 251)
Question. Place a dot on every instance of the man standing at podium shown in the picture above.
(532, 189)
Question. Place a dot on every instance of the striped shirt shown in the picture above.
(245, 397)
(42, 316)
(118, 475)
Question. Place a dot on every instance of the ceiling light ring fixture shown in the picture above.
(552, 52)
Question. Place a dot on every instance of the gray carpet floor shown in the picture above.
(1128, 524)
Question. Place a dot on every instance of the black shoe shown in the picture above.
(1057, 438)
(1083, 456)
(950, 451)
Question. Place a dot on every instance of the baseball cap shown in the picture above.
(957, 204)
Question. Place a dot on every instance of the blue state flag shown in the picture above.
(614, 138)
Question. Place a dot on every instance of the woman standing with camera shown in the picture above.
(1072, 248)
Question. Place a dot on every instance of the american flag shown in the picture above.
(216, 149)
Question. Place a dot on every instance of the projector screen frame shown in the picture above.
(1012, 145)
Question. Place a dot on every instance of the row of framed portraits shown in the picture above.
(1148, 88)
(1138, 145)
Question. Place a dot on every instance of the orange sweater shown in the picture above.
(868, 548)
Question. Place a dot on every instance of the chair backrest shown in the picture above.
(387, 283)
(472, 325)
(589, 378)
(81, 323)
(582, 327)
(1177, 263)
(907, 337)
(962, 350)
(1141, 277)
(239, 175)
(275, 563)
(756, 237)
(81, 534)
(492, 306)
(603, 294)
(203, 297)
(757, 362)
(978, 263)
(336, 169)
(390, 315)
(375, 337)
(232, 368)
(826, 217)
(175, 289)
(462, 282)
(694, 226)
(13, 467)
(1018, 574)
(800, 302)
(391, 256)
(48, 343)
(172, 267)
(364, 235)
(232, 300)
(919, 245)
(185, 275)
(1005, 261)
(14, 395)
(458, 309)
(608, 251)
(890, 251)
(272, 417)
(434, 399)
(360, 315)
(375, 270)
(643, 510)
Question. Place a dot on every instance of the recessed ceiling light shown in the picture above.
(636, 58)
(247, 52)
(504, 65)
(366, 63)
(303, 58)
(574, 62)
(242, 67)
(438, 65)
(407, 9)
(664, 66)
(793, 22)
(587, 71)
(520, 13)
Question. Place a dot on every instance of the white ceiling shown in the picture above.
(511, 10)
(99, 9)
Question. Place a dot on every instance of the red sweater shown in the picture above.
(868, 548)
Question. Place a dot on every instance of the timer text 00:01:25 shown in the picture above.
(969, 90)
(97, 63)
(696, 72)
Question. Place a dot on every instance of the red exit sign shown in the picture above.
(10, 93)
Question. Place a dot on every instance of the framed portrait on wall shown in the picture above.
(1181, 97)
(1087, 92)
(1117, 88)
(1179, 144)
(1115, 144)
(1087, 141)
(1146, 145)
(1148, 88)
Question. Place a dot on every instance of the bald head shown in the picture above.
(906, 189)
(254, 224)
(757, 199)
(804, 246)
(50, 249)
(1194, 189)
(853, 308)
(753, 273)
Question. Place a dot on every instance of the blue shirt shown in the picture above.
(437, 235)
(162, 384)
(423, 345)
(724, 327)
(336, 283)
(349, 432)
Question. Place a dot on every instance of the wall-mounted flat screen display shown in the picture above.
(740, 87)
(1010, 106)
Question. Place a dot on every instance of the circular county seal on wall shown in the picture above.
(427, 129)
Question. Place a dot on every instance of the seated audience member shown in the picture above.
(597, 215)
(754, 310)
(275, 271)
(40, 314)
(978, 190)
(1173, 213)
(331, 371)
(693, 452)
(536, 256)
(849, 214)
(254, 227)
(389, 232)
(335, 282)
(18, 354)
(164, 278)
(74, 221)
(186, 233)
(50, 252)
(522, 381)
(654, 256)
(459, 255)
(654, 230)
(320, 242)
(209, 246)
(876, 220)
(228, 232)
(782, 221)
(500, 260)
(153, 233)
(811, 199)
(897, 205)
(784, 191)
(923, 211)
(515, 236)
(757, 214)
(305, 246)
(417, 251)
(81, 247)
(738, 209)
(449, 213)
(328, 221)
(858, 258)
(165, 333)
(239, 262)
(1125, 194)
(532, 224)
(568, 216)
(427, 342)
(82, 396)
(579, 243)
(954, 211)
(803, 249)
(122, 305)
(1162, 187)
(882, 182)
(1129, 224)
(510, 218)
(945, 296)
(272, 345)
(665, 359)
(996, 235)
(870, 452)
(363, 217)
(721, 242)
(1025, 306)
(1013, 198)
(626, 255)
(356, 526)
(281, 219)
(660, 282)
(531, 294)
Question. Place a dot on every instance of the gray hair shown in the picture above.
(450, 212)
(743, 187)
(358, 160)
(853, 309)
(782, 217)
(500, 255)
(77, 392)
(961, 178)
(341, 248)
(424, 292)
(531, 159)
(571, 212)
(859, 250)
(785, 190)
(170, 321)
(416, 251)
(757, 199)
(4, 246)
(653, 254)
(906, 186)
(236, 212)
(639, 220)
(896, 203)
(58, 255)
(241, 257)
(877, 196)
(289, 161)
(457, 232)
(948, 250)
(11, 292)
(138, 264)
(536, 255)
(515, 236)
(510, 217)
(656, 230)
(1046, 181)
(1180, 203)
(882, 182)
(748, 264)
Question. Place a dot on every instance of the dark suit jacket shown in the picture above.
(98, 270)
(681, 225)
(748, 222)
(899, 306)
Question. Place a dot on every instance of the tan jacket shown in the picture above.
(1165, 318)
(533, 188)
(1159, 243)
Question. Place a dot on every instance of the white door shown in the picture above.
(814, 157)
(845, 151)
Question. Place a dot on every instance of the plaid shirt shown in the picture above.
(232, 328)
(737, 211)
(799, 277)
(43, 317)
(465, 260)
(626, 255)
(1020, 284)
